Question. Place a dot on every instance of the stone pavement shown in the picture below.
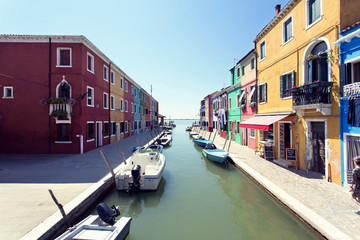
(25, 179)
(326, 206)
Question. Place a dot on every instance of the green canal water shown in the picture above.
(198, 199)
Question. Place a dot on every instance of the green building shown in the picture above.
(234, 110)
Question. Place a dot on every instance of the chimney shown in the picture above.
(277, 8)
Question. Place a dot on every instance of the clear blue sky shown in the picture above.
(183, 48)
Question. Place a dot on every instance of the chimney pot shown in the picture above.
(277, 8)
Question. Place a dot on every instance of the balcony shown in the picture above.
(316, 95)
(60, 108)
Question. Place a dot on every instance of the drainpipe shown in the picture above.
(49, 121)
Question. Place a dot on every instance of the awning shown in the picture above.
(262, 122)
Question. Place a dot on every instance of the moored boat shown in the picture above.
(193, 133)
(214, 154)
(164, 140)
(142, 171)
(102, 226)
(202, 142)
(188, 129)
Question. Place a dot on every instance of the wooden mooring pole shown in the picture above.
(60, 208)
(107, 162)
(121, 152)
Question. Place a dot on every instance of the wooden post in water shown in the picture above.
(210, 135)
(60, 208)
(225, 144)
(107, 162)
(121, 152)
(229, 145)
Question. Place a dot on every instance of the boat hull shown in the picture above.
(218, 156)
(201, 142)
(93, 228)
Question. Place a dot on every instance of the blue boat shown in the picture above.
(202, 142)
(214, 154)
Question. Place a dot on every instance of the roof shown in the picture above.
(275, 20)
(249, 53)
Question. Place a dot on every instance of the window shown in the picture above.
(63, 132)
(252, 63)
(126, 86)
(252, 133)
(132, 90)
(238, 100)
(106, 129)
(287, 30)
(238, 72)
(135, 92)
(90, 96)
(122, 83)
(242, 70)
(126, 106)
(262, 50)
(229, 102)
(252, 95)
(139, 109)
(349, 73)
(112, 78)
(106, 73)
(262, 93)
(8, 92)
(126, 126)
(317, 64)
(63, 57)
(242, 99)
(112, 102)
(121, 105)
(63, 90)
(106, 101)
(90, 131)
(113, 128)
(313, 11)
(122, 127)
(287, 81)
(90, 62)
(132, 108)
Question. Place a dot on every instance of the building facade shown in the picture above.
(233, 106)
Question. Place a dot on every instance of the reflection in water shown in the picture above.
(200, 199)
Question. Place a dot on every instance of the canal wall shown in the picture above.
(55, 225)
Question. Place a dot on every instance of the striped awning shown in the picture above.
(262, 122)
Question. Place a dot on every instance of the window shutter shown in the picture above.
(343, 78)
(348, 73)
(324, 69)
(259, 94)
(265, 92)
(245, 95)
(293, 79)
(282, 86)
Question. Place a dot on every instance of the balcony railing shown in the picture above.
(312, 93)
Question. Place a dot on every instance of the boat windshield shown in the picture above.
(148, 150)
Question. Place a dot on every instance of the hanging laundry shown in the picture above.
(354, 112)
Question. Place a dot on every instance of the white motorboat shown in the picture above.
(142, 171)
(102, 226)
(164, 140)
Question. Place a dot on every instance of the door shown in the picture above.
(318, 146)
(245, 136)
(98, 134)
(284, 138)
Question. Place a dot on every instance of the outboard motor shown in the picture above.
(135, 173)
(158, 141)
(107, 214)
(210, 146)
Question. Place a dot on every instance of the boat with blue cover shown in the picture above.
(202, 142)
(212, 153)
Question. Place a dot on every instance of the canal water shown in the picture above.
(199, 199)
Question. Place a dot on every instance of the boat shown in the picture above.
(164, 140)
(193, 133)
(169, 132)
(102, 226)
(142, 171)
(214, 154)
(188, 129)
(202, 142)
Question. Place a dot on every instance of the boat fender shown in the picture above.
(107, 214)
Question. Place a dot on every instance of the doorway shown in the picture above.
(98, 134)
(284, 138)
(318, 146)
(245, 137)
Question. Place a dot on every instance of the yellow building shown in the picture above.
(298, 83)
(116, 103)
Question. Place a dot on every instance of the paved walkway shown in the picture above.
(25, 179)
(326, 206)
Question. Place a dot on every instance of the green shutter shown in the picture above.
(282, 86)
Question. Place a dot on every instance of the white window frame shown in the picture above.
(252, 92)
(106, 73)
(106, 104)
(92, 70)
(242, 70)
(237, 100)
(283, 29)
(92, 96)
(251, 135)
(243, 92)
(126, 126)
(252, 60)
(126, 86)
(111, 128)
(104, 129)
(307, 25)
(112, 77)
(92, 139)
(132, 90)
(132, 107)
(229, 103)
(121, 105)
(112, 102)
(58, 56)
(122, 83)
(126, 106)
(4, 92)
(261, 85)
(261, 59)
